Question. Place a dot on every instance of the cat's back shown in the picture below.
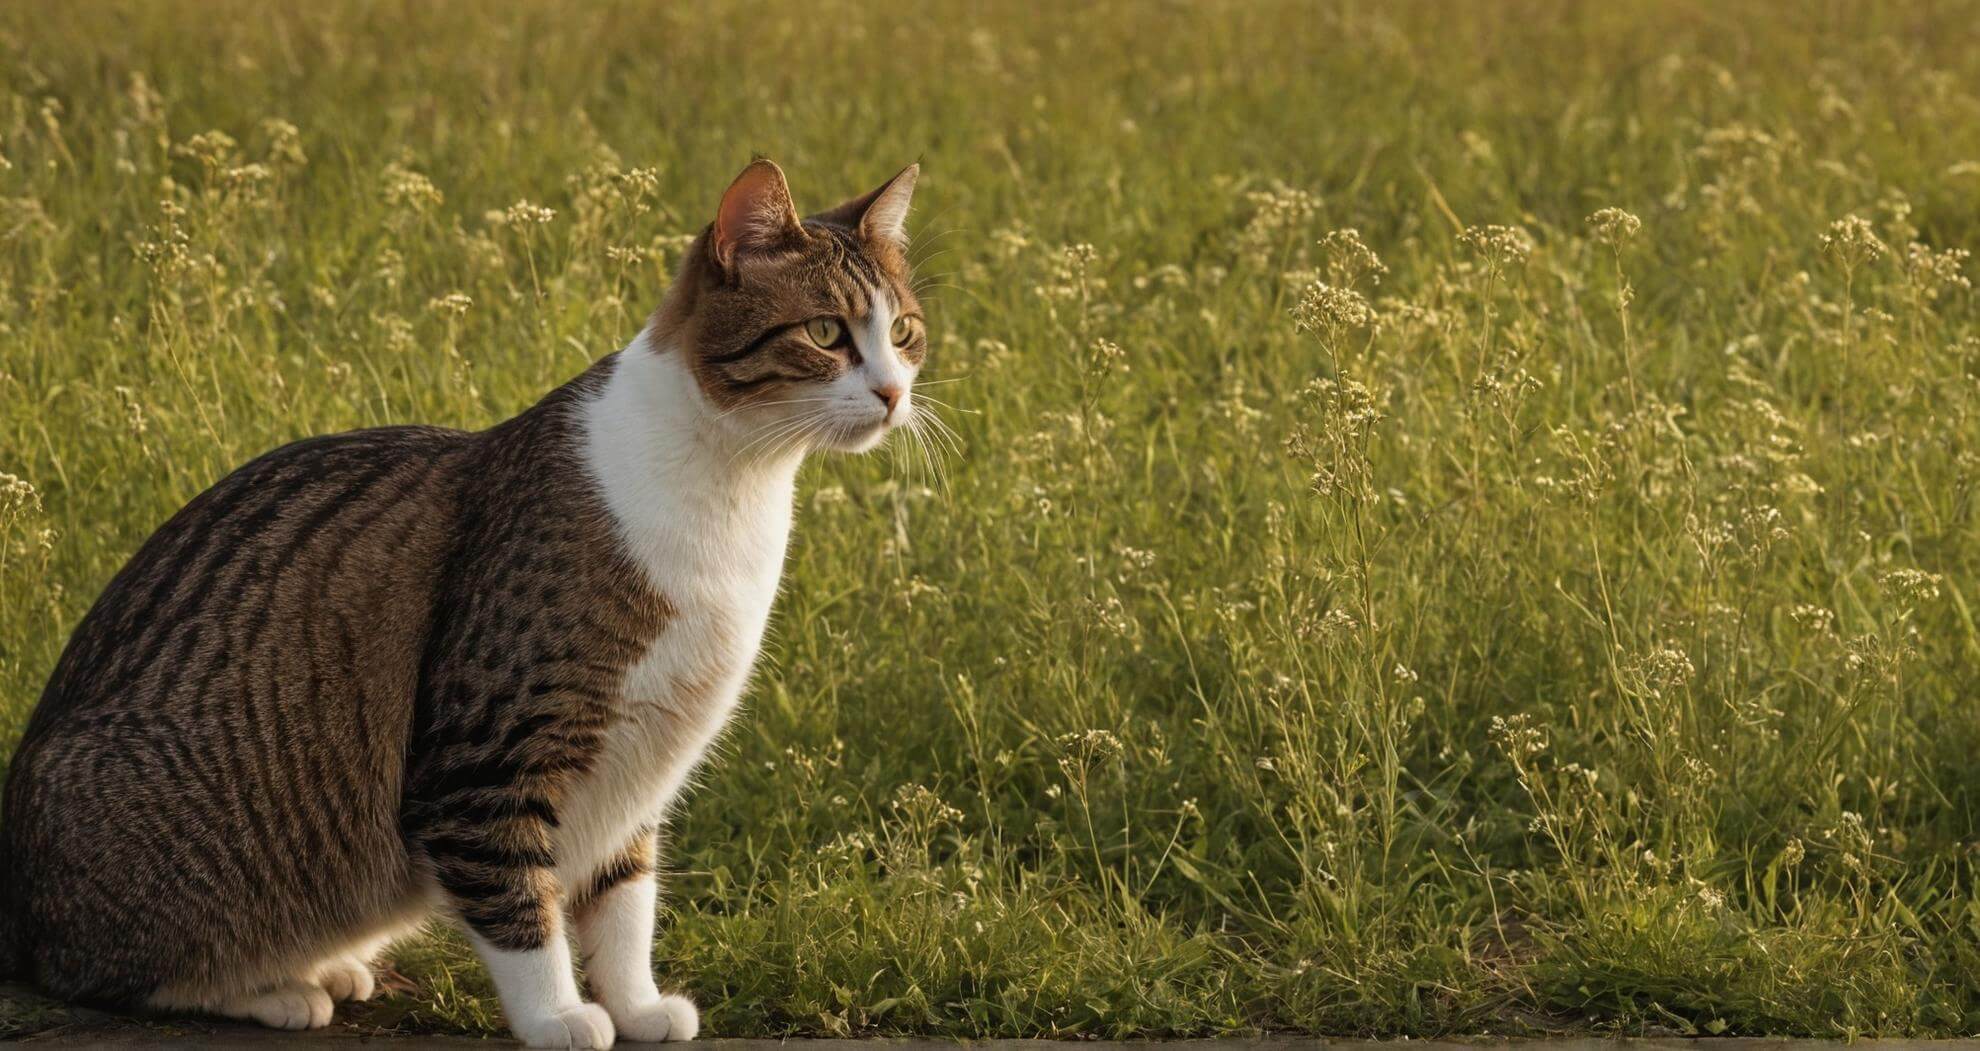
(327, 534)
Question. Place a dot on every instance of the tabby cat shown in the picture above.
(375, 675)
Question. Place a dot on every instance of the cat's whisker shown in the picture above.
(773, 434)
(902, 461)
(786, 443)
(928, 239)
(942, 441)
(932, 460)
(933, 255)
(942, 432)
(767, 404)
(935, 420)
(927, 417)
(920, 472)
(807, 427)
(970, 294)
(938, 460)
(765, 434)
(925, 430)
(946, 405)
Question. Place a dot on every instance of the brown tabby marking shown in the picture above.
(274, 618)
(634, 861)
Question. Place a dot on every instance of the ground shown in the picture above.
(1458, 518)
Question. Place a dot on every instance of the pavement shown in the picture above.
(336, 1037)
(35, 1022)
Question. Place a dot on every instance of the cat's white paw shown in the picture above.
(348, 978)
(667, 1018)
(582, 1026)
(290, 1007)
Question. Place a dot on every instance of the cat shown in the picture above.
(376, 675)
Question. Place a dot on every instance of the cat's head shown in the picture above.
(804, 331)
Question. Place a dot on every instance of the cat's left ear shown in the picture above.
(756, 213)
(882, 214)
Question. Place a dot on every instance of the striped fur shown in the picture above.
(372, 675)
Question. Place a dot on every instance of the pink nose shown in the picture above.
(889, 396)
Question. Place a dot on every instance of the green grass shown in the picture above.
(1519, 662)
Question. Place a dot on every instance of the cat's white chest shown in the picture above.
(712, 546)
(672, 706)
(718, 574)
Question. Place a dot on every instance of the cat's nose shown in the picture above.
(889, 396)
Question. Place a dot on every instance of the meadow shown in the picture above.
(1462, 516)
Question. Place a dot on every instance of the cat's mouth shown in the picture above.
(855, 436)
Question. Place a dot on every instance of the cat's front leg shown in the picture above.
(615, 929)
(540, 995)
(500, 879)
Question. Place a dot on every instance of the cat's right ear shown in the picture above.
(756, 213)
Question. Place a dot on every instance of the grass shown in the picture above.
(1514, 617)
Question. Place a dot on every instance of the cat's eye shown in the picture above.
(824, 331)
(902, 331)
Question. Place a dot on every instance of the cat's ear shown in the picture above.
(882, 214)
(755, 213)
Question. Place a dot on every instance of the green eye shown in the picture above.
(823, 331)
(902, 330)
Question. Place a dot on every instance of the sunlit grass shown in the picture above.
(1463, 519)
